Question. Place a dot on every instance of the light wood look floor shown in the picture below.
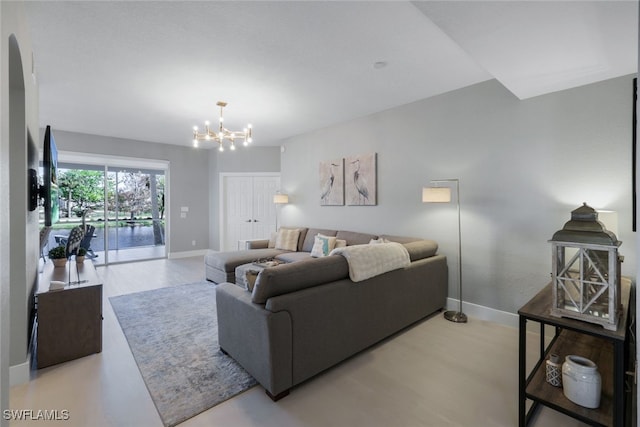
(436, 373)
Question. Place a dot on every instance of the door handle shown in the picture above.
(255, 220)
(248, 220)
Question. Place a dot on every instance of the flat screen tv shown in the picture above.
(50, 179)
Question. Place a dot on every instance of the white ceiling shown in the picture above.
(152, 70)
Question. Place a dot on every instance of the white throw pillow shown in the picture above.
(341, 243)
(272, 239)
(322, 245)
(287, 239)
(378, 241)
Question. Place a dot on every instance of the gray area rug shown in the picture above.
(173, 335)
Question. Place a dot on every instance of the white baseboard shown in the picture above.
(20, 374)
(484, 313)
(187, 254)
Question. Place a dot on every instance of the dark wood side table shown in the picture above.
(606, 348)
(69, 320)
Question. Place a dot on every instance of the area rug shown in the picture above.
(173, 335)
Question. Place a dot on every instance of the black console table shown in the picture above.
(606, 348)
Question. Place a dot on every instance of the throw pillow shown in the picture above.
(272, 240)
(378, 241)
(287, 239)
(322, 245)
(341, 243)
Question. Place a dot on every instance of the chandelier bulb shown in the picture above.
(195, 128)
(221, 148)
(250, 126)
(195, 143)
(249, 140)
(245, 143)
(207, 123)
(221, 119)
(207, 137)
(233, 147)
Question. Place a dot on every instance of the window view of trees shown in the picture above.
(134, 200)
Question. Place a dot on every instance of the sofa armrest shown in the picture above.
(258, 339)
(257, 244)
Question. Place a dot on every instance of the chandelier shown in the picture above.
(222, 134)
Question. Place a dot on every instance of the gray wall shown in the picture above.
(188, 181)
(18, 226)
(523, 167)
(252, 159)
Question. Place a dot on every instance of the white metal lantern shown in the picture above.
(586, 270)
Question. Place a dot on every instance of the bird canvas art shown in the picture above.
(331, 175)
(361, 180)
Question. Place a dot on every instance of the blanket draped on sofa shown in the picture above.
(366, 261)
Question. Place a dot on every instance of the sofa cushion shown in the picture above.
(303, 234)
(323, 245)
(287, 278)
(287, 239)
(228, 261)
(400, 239)
(309, 240)
(421, 249)
(293, 256)
(418, 248)
(354, 238)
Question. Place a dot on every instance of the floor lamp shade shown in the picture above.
(437, 194)
(280, 199)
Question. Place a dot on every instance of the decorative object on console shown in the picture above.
(581, 380)
(361, 173)
(80, 254)
(58, 256)
(554, 370)
(332, 182)
(435, 194)
(73, 243)
(586, 270)
(279, 199)
(223, 133)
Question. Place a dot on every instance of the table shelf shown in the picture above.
(601, 353)
(574, 337)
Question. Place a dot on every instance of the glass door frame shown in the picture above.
(112, 164)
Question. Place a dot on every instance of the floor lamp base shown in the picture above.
(455, 316)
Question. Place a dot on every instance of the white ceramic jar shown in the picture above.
(581, 381)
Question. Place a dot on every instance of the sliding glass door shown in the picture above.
(136, 214)
(124, 208)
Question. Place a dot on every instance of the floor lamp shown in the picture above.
(435, 194)
(279, 199)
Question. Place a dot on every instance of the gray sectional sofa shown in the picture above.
(306, 315)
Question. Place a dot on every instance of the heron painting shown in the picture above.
(361, 180)
(332, 183)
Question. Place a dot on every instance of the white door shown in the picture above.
(264, 210)
(247, 210)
